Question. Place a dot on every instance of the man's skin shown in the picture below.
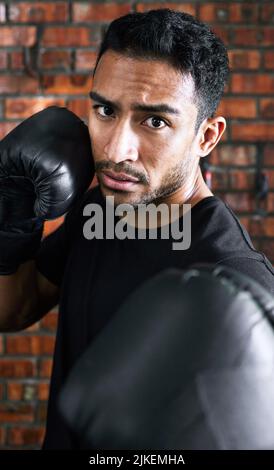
(163, 153)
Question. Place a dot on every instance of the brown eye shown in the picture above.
(156, 122)
(103, 110)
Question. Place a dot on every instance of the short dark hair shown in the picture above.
(180, 40)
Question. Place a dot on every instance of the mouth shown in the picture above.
(120, 181)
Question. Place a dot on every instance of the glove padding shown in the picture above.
(185, 363)
(46, 165)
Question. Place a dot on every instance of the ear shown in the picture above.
(209, 134)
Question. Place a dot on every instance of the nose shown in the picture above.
(122, 143)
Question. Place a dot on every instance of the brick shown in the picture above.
(240, 179)
(219, 180)
(3, 59)
(25, 435)
(252, 36)
(99, 11)
(240, 155)
(267, 108)
(267, 14)
(16, 412)
(244, 59)
(253, 132)
(265, 228)
(42, 412)
(43, 391)
(45, 368)
(15, 391)
(252, 83)
(17, 36)
(34, 345)
(49, 321)
(237, 107)
(54, 59)
(270, 176)
(227, 12)
(18, 84)
(17, 60)
(268, 157)
(2, 435)
(80, 107)
(52, 225)
(22, 108)
(70, 36)
(267, 247)
(222, 33)
(1, 345)
(66, 84)
(240, 202)
(184, 7)
(17, 368)
(85, 60)
(2, 13)
(270, 203)
(1, 391)
(38, 12)
(6, 127)
(269, 60)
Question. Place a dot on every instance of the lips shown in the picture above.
(120, 176)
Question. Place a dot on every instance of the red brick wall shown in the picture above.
(47, 50)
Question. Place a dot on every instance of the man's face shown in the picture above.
(131, 139)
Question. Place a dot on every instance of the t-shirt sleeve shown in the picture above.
(260, 270)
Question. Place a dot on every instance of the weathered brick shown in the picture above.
(267, 247)
(269, 154)
(244, 59)
(222, 33)
(2, 435)
(99, 11)
(251, 36)
(17, 36)
(18, 84)
(267, 12)
(17, 60)
(252, 83)
(72, 36)
(54, 59)
(34, 345)
(85, 60)
(1, 344)
(240, 202)
(41, 412)
(1, 391)
(16, 412)
(45, 368)
(267, 108)
(15, 391)
(228, 12)
(80, 107)
(270, 177)
(269, 60)
(240, 155)
(3, 59)
(219, 180)
(237, 107)
(22, 108)
(25, 435)
(240, 179)
(43, 391)
(17, 368)
(184, 7)
(38, 12)
(253, 132)
(66, 84)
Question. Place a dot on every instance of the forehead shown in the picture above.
(127, 79)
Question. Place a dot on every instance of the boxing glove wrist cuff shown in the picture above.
(18, 246)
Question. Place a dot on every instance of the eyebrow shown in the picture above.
(153, 108)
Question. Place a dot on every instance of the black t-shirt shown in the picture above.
(97, 275)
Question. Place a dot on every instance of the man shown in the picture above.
(157, 83)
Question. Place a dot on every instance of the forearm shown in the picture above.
(19, 298)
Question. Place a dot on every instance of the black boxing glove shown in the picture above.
(185, 363)
(45, 166)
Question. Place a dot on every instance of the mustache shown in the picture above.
(121, 168)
